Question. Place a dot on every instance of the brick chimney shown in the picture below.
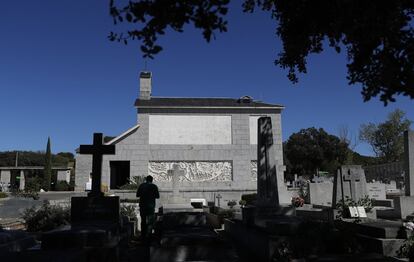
(145, 85)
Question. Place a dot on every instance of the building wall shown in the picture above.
(136, 149)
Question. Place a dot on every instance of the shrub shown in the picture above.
(33, 184)
(46, 218)
(407, 248)
(133, 183)
(225, 213)
(232, 203)
(3, 195)
(129, 211)
(27, 194)
(242, 203)
(62, 186)
(249, 198)
(343, 205)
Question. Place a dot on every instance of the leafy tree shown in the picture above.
(386, 139)
(47, 171)
(312, 149)
(378, 36)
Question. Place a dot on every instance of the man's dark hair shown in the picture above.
(149, 179)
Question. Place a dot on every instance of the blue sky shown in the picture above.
(61, 77)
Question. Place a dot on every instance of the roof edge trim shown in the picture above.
(123, 135)
(216, 107)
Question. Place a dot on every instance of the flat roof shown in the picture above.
(181, 102)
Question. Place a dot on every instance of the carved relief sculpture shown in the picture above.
(194, 171)
(253, 170)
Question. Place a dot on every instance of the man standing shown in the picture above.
(147, 193)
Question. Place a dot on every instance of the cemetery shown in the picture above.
(345, 219)
(223, 195)
(191, 164)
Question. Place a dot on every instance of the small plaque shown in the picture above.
(353, 211)
(361, 212)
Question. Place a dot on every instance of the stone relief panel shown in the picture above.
(253, 170)
(194, 171)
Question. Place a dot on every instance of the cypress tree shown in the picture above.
(47, 171)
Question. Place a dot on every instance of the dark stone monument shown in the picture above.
(409, 162)
(97, 150)
(95, 221)
(349, 182)
(95, 207)
(267, 190)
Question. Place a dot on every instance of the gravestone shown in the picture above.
(320, 193)
(176, 203)
(409, 162)
(376, 190)
(267, 188)
(349, 182)
(95, 206)
(95, 221)
(176, 173)
(97, 150)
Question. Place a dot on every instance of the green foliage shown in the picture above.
(26, 194)
(46, 218)
(3, 195)
(312, 149)
(358, 159)
(242, 202)
(225, 213)
(232, 203)
(133, 183)
(386, 139)
(249, 199)
(33, 184)
(129, 211)
(343, 205)
(407, 248)
(30, 158)
(376, 36)
(47, 171)
(62, 186)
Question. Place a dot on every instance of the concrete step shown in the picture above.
(383, 246)
(376, 228)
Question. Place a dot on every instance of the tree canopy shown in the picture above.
(312, 149)
(377, 36)
(386, 139)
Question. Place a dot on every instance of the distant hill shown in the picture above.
(362, 160)
(31, 158)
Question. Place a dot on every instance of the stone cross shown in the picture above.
(218, 199)
(97, 150)
(409, 162)
(175, 174)
(267, 190)
(352, 178)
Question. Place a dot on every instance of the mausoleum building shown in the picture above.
(213, 140)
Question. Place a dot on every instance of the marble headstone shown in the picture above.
(349, 182)
(376, 190)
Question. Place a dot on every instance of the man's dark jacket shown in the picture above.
(147, 193)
